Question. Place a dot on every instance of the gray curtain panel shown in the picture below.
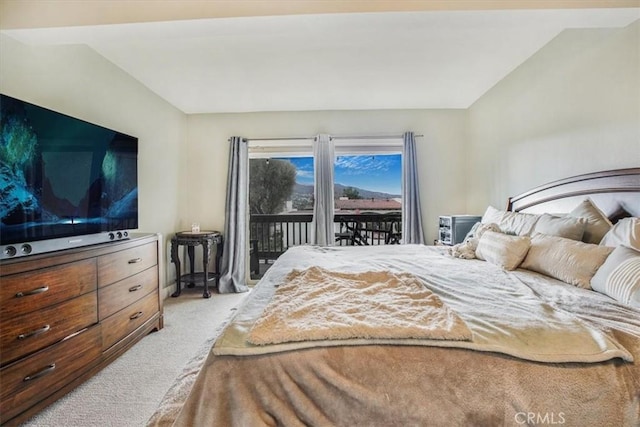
(233, 271)
(411, 213)
(322, 225)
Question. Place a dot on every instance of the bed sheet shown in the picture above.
(393, 383)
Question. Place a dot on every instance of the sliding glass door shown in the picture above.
(367, 190)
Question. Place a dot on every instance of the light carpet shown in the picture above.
(129, 391)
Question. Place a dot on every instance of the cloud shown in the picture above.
(353, 169)
(304, 173)
(369, 164)
(304, 168)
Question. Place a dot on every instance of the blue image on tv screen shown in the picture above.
(61, 176)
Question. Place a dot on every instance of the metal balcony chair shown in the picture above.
(393, 234)
(351, 232)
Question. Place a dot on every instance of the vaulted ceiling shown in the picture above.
(388, 55)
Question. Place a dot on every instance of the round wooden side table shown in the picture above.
(191, 239)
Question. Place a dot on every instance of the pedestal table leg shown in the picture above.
(219, 247)
(192, 278)
(206, 256)
(176, 260)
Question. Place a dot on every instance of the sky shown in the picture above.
(380, 172)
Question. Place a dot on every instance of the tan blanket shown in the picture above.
(319, 304)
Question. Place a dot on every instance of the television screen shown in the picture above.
(61, 176)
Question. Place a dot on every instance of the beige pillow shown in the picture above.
(502, 250)
(619, 276)
(518, 223)
(597, 222)
(625, 232)
(568, 260)
(566, 226)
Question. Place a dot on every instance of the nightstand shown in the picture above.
(190, 239)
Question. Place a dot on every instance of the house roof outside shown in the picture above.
(367, 204)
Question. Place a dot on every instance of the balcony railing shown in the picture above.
(272, 235)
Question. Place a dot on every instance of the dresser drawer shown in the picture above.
(34, 378)
(115, 297)
(119, 265)
(128, 319)
(25, 334)
(31, 291)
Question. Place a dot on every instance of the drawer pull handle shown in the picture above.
(38, 331)
(45, 371)
(135, 260)
(135, 316)
(32, 292)
(135, 288)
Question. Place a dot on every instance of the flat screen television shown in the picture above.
(64, 182)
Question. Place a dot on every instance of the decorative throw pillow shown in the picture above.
(625, 232)
(502, 250)
(568, 260)
(467, 249)
(597, 222)
(619, 276)
(565, 226)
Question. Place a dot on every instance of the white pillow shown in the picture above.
(565, 226)
(492, 215)
(619, 276)
(516, 223)
(625, 232)
(597, 222)
(502, 250)
(568, 260)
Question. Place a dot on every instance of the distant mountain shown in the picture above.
(304, 189)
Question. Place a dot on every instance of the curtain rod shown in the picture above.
(282, 139)
(333, 137)
(372, 136)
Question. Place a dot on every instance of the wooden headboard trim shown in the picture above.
(612, 181)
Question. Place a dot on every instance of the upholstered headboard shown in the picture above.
(615, 192)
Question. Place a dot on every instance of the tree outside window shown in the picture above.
(271, 185)
(367, 184)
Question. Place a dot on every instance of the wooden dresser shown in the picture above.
(67, 314)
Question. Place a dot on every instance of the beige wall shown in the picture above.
(440, 152)
(77, 81)
(572, 108)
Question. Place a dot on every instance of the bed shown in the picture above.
(503, 345)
